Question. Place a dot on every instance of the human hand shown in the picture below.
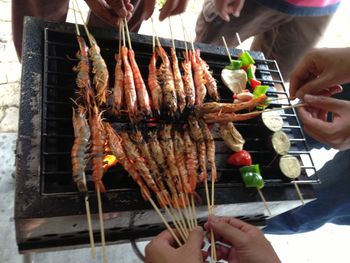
(111, 10)
(227, 7)
(319, 70)
(249, 244)
(163, 248)
(335, 133)
(172, 7)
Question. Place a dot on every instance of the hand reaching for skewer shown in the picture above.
(163, 248)
(244, 243)
(111, 10)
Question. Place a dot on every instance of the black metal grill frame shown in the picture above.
(37, 126)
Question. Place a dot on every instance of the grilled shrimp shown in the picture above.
(179, 149)
(199, 80)
(153, 84)
(191, 160)
(211, 107)
(167, 146)
(83, 69)
(142, 146)
(118, 91)
(190, 90)
(229, 117)
(210, 146)
(100, 71)
(169, 92)
(197, 136)
(98, 140)
(115, 143)
(179, 86)
(141, 90)
(80, 147)
(210, 82)
(129, 86)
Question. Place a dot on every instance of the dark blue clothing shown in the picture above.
(294, 10)
(331, 206)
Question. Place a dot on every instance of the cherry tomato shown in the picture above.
(241, 158)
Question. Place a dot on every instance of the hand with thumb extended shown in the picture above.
(248, 243)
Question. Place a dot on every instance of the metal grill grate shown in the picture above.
(57, 133)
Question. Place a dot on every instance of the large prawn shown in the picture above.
(129, 86)
(190, 90)
(80, 147)
(210, 82)
(153, 84)
(100, 71)
(118, 91)
(142, 93)
(169, 92)
(179, 149)
(191, 160)
(197, 136)
(210, 146)
(179, 85)
(199, 81)
(98, 140)
(83, 77)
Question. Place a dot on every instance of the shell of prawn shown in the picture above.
(80, 147)
(100, 71)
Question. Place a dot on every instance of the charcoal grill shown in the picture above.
(50, 213)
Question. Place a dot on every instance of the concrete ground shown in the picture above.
(328, 244)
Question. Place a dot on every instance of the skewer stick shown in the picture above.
(102, 229)
(86, 198)
(181, 215)
(155, 32)
(123, 33)
(127, 32)
(190, 208)
(239, 39)
(164, 220)
(288, 107)
(264, 201)
(84, 24)
(178, 228)
(298, 192)
(184, 32)
(227, 49)
(171, 33)
(194, 210)
(187, 215)
(176, 220)
(88, 218)
(181, 223)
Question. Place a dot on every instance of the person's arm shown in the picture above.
(319, 70)
(247, 244)
(163, 249)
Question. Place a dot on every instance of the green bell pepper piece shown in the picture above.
(251, 176)
(260, 90)
(234, 64)
(253, 180)
(251, 71)
(246, 58)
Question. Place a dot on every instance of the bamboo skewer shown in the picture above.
(264, 201)
(298, 192)
(86, 197)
